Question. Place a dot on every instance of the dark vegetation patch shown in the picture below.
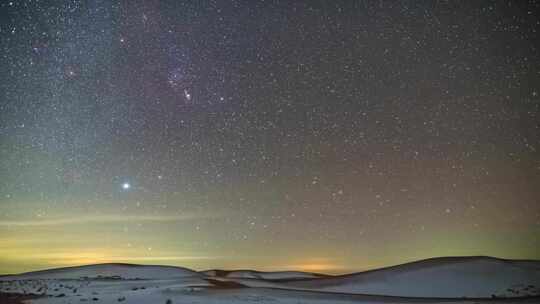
(16, 298)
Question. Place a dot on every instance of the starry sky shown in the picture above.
(329, 136)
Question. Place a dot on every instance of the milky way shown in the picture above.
(246, 134)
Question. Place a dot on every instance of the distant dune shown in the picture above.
(111, 270)
(252, 274)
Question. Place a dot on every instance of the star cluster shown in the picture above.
(268, 134)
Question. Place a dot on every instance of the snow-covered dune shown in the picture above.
(421, 282)
(113, 270)
(439, 277)
(252, 274)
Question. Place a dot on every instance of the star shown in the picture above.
(187, 95)
(338, 125)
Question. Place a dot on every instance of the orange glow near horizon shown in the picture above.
(318, 267)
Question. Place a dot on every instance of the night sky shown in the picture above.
(328, 136)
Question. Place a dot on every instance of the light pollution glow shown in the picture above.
(69, 241)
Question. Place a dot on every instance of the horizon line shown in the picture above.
(285, 269)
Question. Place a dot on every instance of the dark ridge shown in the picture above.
(224, 273)
(225, 284)
(218, 272)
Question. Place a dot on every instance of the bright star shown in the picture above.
(187, 95)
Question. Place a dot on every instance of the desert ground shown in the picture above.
(438, 280)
